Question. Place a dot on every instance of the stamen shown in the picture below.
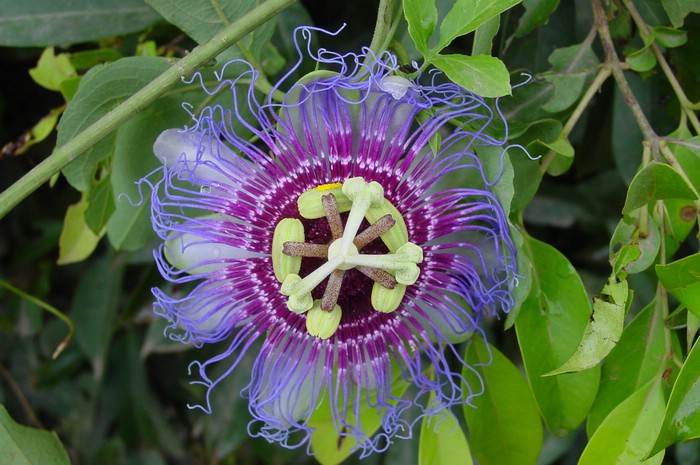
(387, 300)
(304, 249)
(381, 277)
(332, 292)
(403, 262)
(374, 231)
(299, 290)
(322, 323)
(391, 272)
(330, 206)
(289, 229)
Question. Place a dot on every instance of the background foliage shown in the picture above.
(597, 364)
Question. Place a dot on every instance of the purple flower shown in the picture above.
(332, 230)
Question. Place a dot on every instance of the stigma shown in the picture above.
(391, 272)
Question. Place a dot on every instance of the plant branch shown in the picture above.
(137, 102)
(613, 62)
(384, 27)
(688, 106)
(593, 89)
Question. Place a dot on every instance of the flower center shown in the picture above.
(391, 272)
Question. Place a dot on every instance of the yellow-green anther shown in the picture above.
(298, 302)
(311, 206)
(287, 230)
(387, 300)
(299, 290)
(321, 323)
(403, 262)
(398, 234)
(407, 274)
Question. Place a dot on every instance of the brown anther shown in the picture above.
(381, 226)
(330, 206)
(381, 277)
(332, 292)
(304, 249)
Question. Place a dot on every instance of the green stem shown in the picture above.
(137, 102)
(53, 310)
(384, 27)
(687, 105)
(593, 89)
(483, 36)
(612, 60)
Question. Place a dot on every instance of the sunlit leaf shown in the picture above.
(77, 240)
(682, 418)
(682, 279)
(626, 435)
(604, 329)
(482, 74)
(21, 445)
(656, 181)
(421, 16)
(506, 409)
(549, 327)
(639, 356)
(328, 446)
(442, 441)
(52, 69)
(635, 244)
(466, 15)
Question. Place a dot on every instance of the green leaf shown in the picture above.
(506, 410)
(94, 309)
(641, 60)
(680, 220)
(682, 418)
(669, 37)
(544, 136)
(52, 70)
(634, 248)
(129, 227)
(677, 10)
(657, 181)
(466, 15)
(639, 356)
(201, 19)
(484, 75)
(603, 330)
(442, 441)
(100, 205)
(77, 241)
(682, 279)
(688, 155)
(626, 435)
(102, 88)
(46, 22)
(21, 445)
(421, 16)
(571, 68)
(537, 13)
(549, 327)
(328, 447)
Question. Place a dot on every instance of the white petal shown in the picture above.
(201, 255)
(202, 153)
